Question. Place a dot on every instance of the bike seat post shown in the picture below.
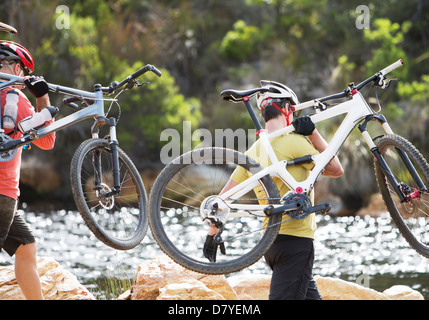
(252, 113)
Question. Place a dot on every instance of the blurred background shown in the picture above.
(203, 47)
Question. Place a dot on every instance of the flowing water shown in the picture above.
(368, 251)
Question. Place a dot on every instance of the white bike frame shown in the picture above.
(356, 109)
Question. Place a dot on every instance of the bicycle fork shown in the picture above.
(98, 174)
(397, 186)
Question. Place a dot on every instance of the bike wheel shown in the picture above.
(120, 220)
(412, 215)
(177, 201)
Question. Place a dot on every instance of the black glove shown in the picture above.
(304, 125)
(210, 248)
(37, 86)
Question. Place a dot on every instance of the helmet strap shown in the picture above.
(9, 65)
(290, 109)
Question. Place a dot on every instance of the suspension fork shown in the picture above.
(96, 159)
(115, 158)
(383, 164)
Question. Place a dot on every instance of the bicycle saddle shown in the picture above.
(238, 95)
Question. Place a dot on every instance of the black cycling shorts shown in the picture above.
(291, 259)
(14, 231)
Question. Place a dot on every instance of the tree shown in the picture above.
(148, 110)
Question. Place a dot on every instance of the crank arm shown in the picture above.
(271, 210)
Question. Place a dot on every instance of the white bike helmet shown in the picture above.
(276, 91)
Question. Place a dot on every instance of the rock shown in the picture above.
(57, 283)
(337, 289)
(40, 175)
(161, 277)
(375, 207)
(125, 296)
(400, 292)
(251, 287)
(188, 289)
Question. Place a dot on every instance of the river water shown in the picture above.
(368, 251)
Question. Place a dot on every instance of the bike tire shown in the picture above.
(119, 221)
(176, 234)
(410, 215)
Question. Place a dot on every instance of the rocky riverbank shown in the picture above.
(162, 279)
(57, 283)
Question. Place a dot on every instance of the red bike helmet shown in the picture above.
(13, 51)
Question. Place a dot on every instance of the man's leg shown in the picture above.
(21, 243)
(26, 271)
(291, 259)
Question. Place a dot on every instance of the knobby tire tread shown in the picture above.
(422, 166)
(78, 195)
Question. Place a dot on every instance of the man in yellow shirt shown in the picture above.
(292, 254)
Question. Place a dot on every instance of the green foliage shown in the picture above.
(416, 91)
(386, 37)
(148, 110)
(241, 42)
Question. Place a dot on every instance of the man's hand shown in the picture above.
(210, 248)
(37, 86)
(304, 125)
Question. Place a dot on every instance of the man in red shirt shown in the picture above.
(16, 237)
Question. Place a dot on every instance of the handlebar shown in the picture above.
(392, 67)
(130, 80)
(379, 76)
(145, 69)
(80, 94)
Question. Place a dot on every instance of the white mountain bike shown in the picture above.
(186, 193)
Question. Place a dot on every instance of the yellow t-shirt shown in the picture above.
(286, 147)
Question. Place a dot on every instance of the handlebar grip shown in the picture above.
(392, 67)
(156, 71)
(146, 68)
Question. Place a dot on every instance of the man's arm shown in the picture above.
(305, 126)
(334, 168)
(39, 88)
(43, 102)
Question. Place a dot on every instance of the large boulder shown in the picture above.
(57, 283)
(161, 278)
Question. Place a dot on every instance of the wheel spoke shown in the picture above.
(185, 197)
(119, 220)
(411, 216)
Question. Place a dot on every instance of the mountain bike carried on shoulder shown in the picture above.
(107, 188)
(189, 190)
